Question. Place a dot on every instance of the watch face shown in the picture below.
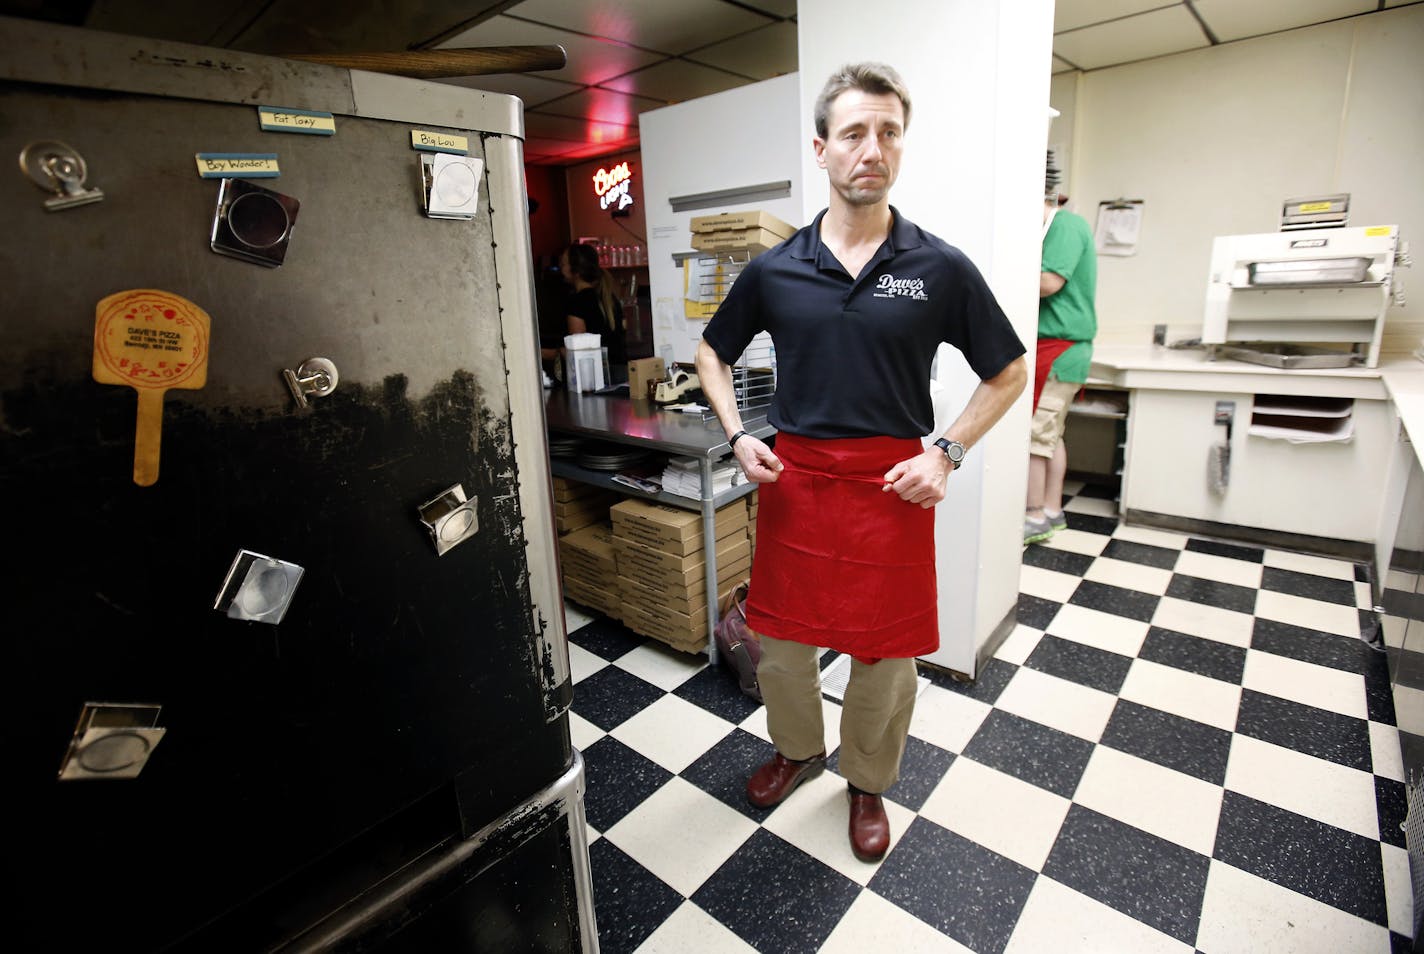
(955, 450)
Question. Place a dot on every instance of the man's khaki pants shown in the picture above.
(875, 716)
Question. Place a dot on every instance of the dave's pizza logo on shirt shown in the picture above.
(891, 287)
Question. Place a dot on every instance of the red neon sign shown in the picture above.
(611, 185)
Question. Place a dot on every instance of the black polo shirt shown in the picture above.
(854, 355)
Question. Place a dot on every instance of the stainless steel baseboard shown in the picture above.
(365, 915)
(1353, 550)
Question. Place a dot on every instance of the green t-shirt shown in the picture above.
(1069, 313)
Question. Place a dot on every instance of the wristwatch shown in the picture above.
(952, 449)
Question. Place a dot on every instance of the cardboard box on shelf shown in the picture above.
(594, 574)
(594, 543)
(643, 373)
(594, 599)
(577, 514)
(678, 630)
(656, 568)
(755, 240)
(567, 491)
(692, 643)
(590, 569)
(671, 529)
(573, 508)
(691, 581)
(691, 600)
(662, 620)
(751, 219)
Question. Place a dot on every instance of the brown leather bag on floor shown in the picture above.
(737, 645)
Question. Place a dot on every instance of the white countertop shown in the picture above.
(1399, 378)
(1149, 367)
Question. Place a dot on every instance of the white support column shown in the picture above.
(978, 75)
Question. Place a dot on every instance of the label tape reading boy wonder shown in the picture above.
(238, 165)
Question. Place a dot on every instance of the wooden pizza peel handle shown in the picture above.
(148, 434)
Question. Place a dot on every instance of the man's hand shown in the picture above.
(920, 480)
(758, 462)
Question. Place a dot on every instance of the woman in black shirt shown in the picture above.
(593, 308)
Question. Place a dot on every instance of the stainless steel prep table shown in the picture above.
(646, 425)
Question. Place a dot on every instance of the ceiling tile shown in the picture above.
(675, 81)
(1060, 66)
(780, 8)
(539, 125)
(532, 90)
(660, 25)
(590, 60)
(354, 25)
(1233, 20)
(603, 105)
(593, 150)
(1071, 14)
(549, 147)
(761, 54)
(1170, 30)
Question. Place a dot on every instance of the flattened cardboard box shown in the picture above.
(757, 240)
(669, 627)
(683, 601)
(731, 572)
(686, 582)
(655, 539)
(589, 576)
(595, 541)
(631, 553)
(596, 593)
(668, 620)
(752, 219)
(568, 525)
(682, 642)
(585, 505)
(670, 528)
(588, 562)
(566, 490)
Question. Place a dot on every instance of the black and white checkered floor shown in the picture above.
(1184, 746)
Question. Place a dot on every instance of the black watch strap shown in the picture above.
(952, 450)
(732, 441)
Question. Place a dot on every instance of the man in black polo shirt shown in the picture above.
(856, 304)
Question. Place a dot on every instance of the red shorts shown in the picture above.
(840, 562)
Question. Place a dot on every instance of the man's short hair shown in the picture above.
(874, 78)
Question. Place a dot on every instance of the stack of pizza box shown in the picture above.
(662, 567)
(589, 565)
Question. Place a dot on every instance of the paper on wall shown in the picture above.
(1119, 227)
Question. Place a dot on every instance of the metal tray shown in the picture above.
(1310, 271)
(1291, 356)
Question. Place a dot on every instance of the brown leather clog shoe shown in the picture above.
(770, 784)
(869, 826)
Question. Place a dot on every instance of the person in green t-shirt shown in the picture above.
(1067, 324)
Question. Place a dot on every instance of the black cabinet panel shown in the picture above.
(395, 671)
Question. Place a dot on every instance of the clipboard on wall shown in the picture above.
(1119, 227)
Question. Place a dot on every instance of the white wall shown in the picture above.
(1214, 139)
(745, 136)
(972, 174)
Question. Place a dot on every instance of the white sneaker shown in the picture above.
(1036, 531)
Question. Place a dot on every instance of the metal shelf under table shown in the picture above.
(643, 424)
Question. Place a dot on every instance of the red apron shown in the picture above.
(839, 562)
(1048, 351)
